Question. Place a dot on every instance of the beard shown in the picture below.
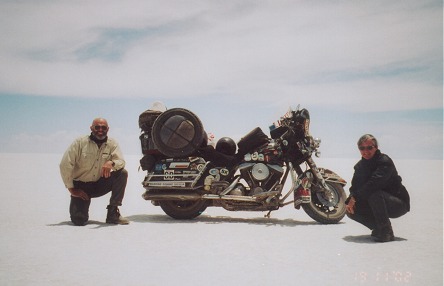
(99, 138)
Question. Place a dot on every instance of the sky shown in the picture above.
(358, 66)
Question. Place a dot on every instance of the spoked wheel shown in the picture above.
(327, 207)
(183, 209)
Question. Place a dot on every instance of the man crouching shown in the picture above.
(91, 167)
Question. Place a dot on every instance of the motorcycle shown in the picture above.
(185, 174)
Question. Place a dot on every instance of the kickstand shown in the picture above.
(268, 214)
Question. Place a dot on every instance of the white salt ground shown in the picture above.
(39, 246)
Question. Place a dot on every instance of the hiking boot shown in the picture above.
(78, 210)
(114, 217)
(384, 234)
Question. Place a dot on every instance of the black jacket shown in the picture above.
(378, 173)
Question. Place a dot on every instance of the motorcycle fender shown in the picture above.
(330, 176)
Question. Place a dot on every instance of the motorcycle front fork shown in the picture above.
(318, 179)
(304, 183)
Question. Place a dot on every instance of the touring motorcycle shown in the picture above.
(185, 174)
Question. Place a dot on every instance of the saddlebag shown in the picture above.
(146, 122)
(183, 173)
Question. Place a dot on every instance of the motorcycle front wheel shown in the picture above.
(327, 207)
(183, 209)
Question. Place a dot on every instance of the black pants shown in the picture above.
(378, 209)
(116, 184)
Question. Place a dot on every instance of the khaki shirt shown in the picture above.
(83, 160)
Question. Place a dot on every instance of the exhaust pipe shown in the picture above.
(171, 196)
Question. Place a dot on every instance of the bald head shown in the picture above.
(99, 121)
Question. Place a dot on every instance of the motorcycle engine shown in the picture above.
(259, 176)
(260, 171)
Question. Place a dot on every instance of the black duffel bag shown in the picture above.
(254, 139)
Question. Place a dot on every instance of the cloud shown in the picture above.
(328, 53)
(238, 64)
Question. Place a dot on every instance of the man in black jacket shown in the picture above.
(376, 192)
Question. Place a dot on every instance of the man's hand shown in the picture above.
(107, 168)
(350, 207)
(78, 193)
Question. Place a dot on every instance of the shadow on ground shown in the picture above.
(366, 239)
(97, 224)
(219, 220)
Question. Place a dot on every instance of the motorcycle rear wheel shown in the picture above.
(326, 211)
(183, 209)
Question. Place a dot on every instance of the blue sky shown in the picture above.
(357, 66)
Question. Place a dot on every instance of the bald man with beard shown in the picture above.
(91, 167)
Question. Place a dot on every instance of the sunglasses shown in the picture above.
(98, 127)
(368, 148)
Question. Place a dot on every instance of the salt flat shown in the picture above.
(39, 246)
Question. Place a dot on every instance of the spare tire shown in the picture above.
(177, 132)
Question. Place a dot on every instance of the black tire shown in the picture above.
(324, 211)
(183, 209)
(177, 132)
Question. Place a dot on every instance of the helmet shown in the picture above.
(226, 145)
